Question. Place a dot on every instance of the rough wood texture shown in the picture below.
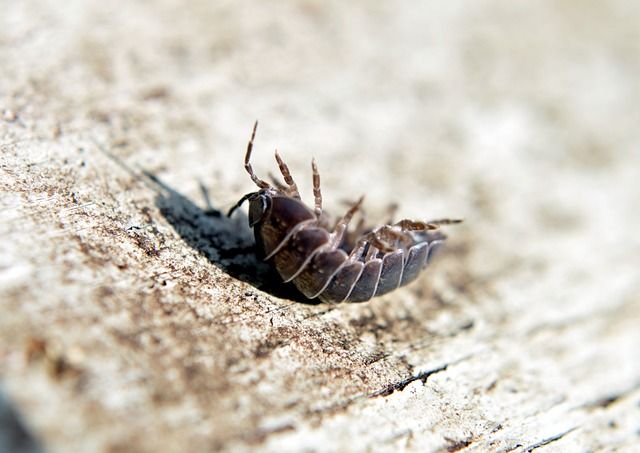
(135, 316)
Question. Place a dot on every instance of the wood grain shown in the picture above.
(136, 317)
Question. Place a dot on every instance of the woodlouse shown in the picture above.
(330, 264)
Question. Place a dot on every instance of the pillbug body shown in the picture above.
(330, 264)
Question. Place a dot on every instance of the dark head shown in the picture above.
(259, 205)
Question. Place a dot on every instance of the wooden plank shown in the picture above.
(136, 316)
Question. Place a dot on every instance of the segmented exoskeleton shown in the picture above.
(327, 263)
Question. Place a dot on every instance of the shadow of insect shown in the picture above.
(227, 243)
(15, 435)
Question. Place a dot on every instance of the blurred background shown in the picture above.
(521, 117)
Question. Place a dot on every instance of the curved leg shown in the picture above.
(371, 253)
(415, 225)
(239, 203)
(317, 194)
(343, 223)
(445, 221)
(352, 235)
(386, 237)
(357, 251)
(247, 162)
(284, 169)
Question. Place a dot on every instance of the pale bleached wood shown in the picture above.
(135, 316)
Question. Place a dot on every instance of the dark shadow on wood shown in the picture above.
(14, 435)
(227, 243)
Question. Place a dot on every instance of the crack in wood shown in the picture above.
(401, 385)
(548, 440)
(457, 445)
(606, 401)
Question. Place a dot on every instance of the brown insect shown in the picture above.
(329, 263)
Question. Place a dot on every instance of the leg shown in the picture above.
(445, 221)
(356, 253)
(415, 225)
(343, 223)
(316, 189)
(433, 226)
(386, 237)
(371, 253)
(239, 203)
(293, 188)
(351, 236)
(247, 162)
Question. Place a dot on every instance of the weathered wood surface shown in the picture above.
(135, 317)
